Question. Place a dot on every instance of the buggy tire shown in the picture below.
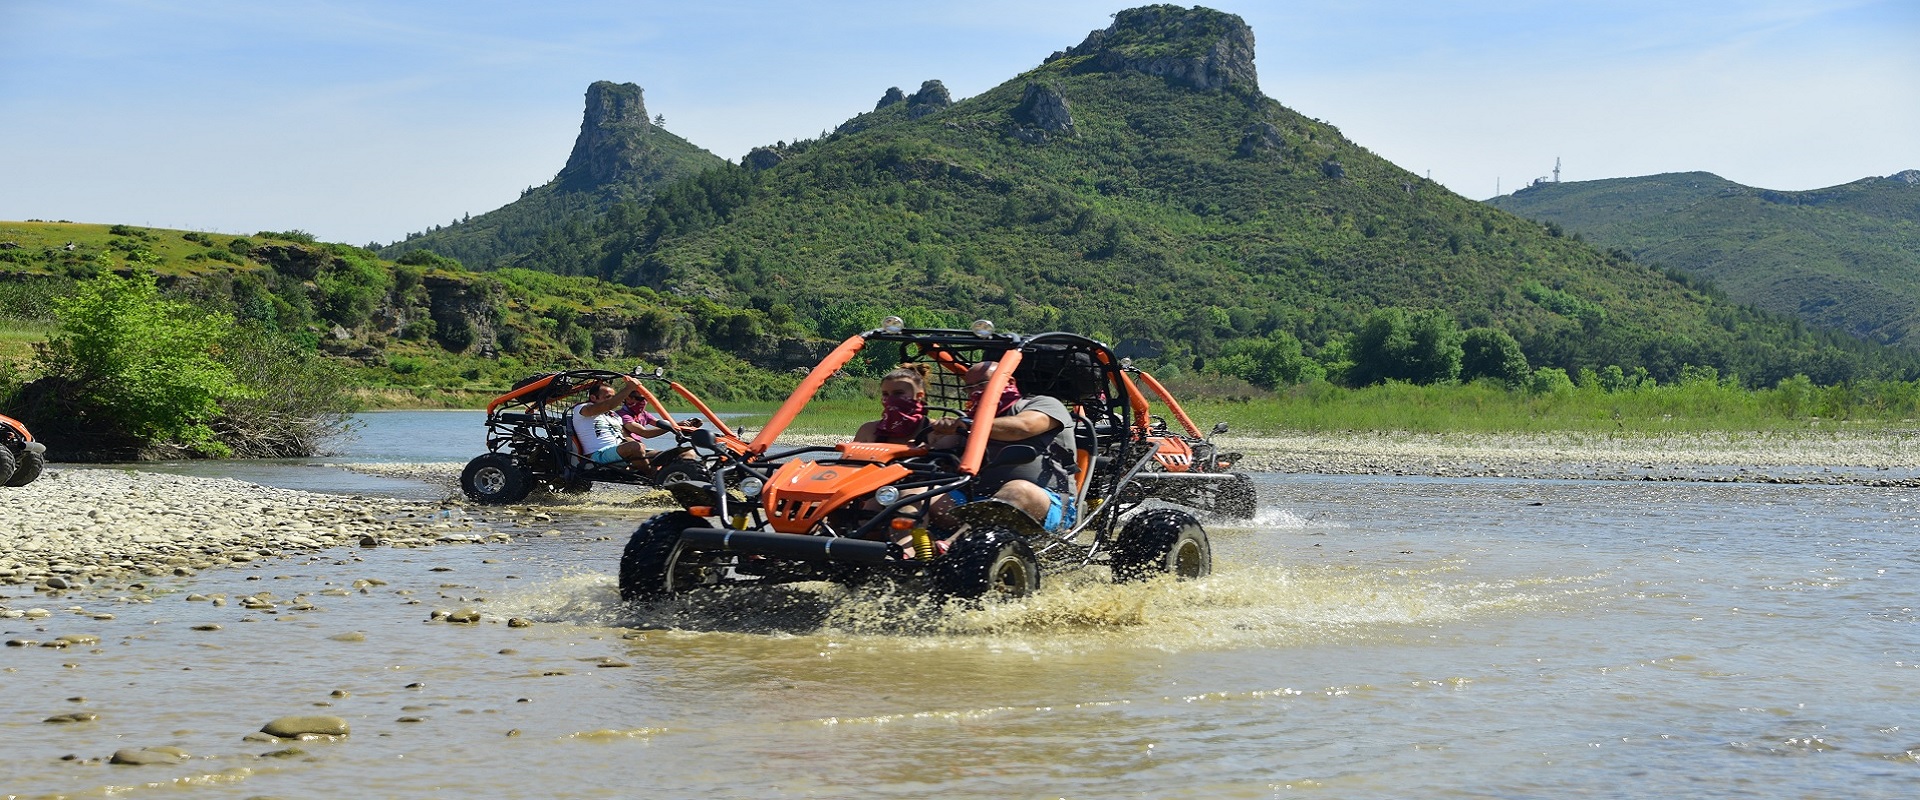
(683, 470)
(1237, 500)
(7, 464)
(1162, 541)
(654, 566)
(27, 466)
(987, 561)
(494, 478)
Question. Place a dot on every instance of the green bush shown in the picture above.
(144, 364)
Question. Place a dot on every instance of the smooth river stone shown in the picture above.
(313, 725)
(148, 755)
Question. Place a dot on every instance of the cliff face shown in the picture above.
(611, 130)
(1196, 48)
(620, 155)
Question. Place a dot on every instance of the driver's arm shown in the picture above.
(594, 409)
(1024, 425)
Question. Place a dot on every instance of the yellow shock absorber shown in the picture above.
(739, 522)
(922, 544)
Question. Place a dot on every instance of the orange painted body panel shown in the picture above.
(1174, 454)
(802, 493)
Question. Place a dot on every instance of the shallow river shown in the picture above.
(1366, 637)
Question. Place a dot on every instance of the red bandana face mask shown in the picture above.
(901, 417)
(1008, 397)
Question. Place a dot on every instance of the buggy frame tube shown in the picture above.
(803, 393)
(1167, 397)
(977, 438)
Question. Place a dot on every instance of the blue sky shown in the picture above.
(361, 120)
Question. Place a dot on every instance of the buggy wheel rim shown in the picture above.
(1186, 559)
(490, 481)
(1011, 576)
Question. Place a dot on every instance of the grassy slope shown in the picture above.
(1847, 257)
(406, 371)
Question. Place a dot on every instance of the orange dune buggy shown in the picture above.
(530, 441)
(21, 458)
(839, 512)
(1190, 469)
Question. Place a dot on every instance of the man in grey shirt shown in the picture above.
(1043, 487)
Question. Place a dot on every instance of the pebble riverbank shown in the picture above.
(76, 527)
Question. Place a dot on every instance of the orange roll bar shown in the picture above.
(977, 438)
(704, 410)
(804, 392)
(1167, 397)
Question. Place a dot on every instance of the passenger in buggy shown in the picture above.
(602, 434)
(903, 407)
(641, 424)
(1043, 487)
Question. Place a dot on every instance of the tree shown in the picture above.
(129, 361)
(1413, 346)
(1493, 353)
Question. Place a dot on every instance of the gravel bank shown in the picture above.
(1881, 458)
(75, 527)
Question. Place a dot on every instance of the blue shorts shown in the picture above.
(607, 455)
(1058, 516)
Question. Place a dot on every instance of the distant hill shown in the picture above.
(1139, 188)
(620, 156)
(1845, 257)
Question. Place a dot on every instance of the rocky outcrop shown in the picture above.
(1042, 112)
(604, 151)
(1198, 48)
(932, 97)
(893, 95)
(760, 158)
(1260, 138)
(1910, 177)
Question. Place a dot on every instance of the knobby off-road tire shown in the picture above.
(1236, 500)
(495, 478)
(26, 467)
(656, 566)
(1161, 541)
(683, 470)
(987, 562)
(7, 465)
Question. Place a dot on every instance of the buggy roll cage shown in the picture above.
(1081, 372)
(546, 398)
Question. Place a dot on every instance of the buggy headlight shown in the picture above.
(983, 327)
(892, 325)
(886, 495)
(751, 487)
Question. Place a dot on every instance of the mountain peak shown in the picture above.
(601, 153)
(1195, 47)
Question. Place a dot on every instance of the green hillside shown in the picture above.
(1845, 257)
(419, 328)
(619, 156)
(1137, 187)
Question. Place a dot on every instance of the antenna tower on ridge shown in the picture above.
(1556, 169)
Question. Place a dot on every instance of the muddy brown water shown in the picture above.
(1365, 637)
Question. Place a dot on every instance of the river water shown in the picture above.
(1365, 637)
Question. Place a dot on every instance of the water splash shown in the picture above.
(1262, 605)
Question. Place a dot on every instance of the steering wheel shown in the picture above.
(921, 437)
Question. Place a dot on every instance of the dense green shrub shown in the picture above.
(141, 363)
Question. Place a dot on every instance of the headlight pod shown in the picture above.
(886, 495)
(751, 487)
